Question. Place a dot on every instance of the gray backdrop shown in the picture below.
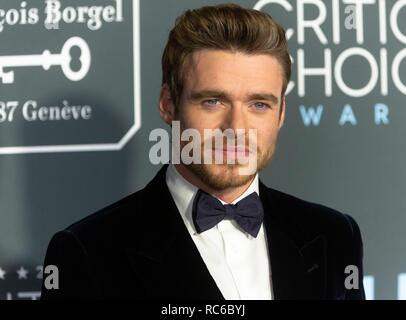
(54, 172)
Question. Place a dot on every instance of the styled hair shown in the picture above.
(224, 27)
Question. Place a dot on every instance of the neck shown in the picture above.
(228, 195)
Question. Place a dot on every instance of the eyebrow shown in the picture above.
(197, 95)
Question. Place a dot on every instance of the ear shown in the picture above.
(282, 115)
(166, 105)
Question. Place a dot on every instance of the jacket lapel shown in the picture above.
(164, 256)
(297, 260)
(168, 264)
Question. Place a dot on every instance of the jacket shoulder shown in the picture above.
(314, 217)
(108, 222)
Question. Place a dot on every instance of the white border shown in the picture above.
(137, 109)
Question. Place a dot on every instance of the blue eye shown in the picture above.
(211, 102)
(260, 105)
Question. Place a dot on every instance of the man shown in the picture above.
(205, 230)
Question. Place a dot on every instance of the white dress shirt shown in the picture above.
(238, 262)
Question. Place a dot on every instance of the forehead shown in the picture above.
(233, 72)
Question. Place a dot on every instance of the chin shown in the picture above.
(220, 176)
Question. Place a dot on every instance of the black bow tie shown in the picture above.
(208, 211)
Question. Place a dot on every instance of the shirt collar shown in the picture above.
(183, 193)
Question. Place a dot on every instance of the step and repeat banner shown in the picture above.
(79, 89)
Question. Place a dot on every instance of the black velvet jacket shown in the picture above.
(140, 248)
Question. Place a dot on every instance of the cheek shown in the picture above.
(193, 118)
(189, 122)
(267, 136)
(187, 117)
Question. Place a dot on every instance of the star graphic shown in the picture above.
(2, 274)
(22, 273)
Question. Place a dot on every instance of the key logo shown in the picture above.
(46, 60)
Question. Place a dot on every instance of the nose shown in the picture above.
(235, 118)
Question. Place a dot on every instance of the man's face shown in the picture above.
(226, 90)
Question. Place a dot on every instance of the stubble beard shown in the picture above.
(225, 176)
